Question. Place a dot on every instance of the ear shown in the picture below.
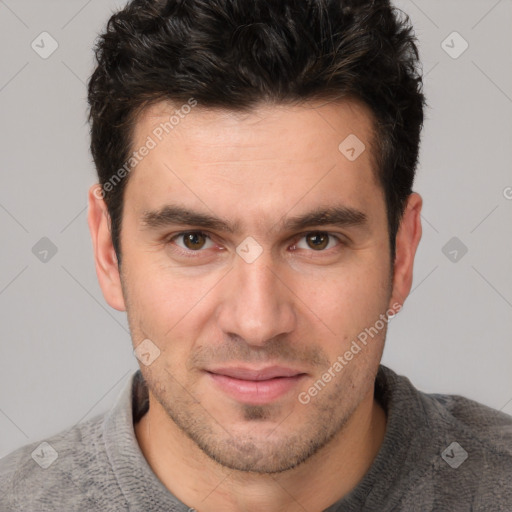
(105, 258)
(407, 240)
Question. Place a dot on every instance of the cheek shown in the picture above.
(164, 303)
(167, 318)
(346, 300)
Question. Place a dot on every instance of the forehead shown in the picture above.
(292, 130)
(245, 163)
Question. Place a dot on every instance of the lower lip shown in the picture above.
(256, 392)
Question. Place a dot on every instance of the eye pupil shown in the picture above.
(194, 240)
(317, 240)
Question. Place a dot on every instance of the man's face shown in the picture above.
(250, 311)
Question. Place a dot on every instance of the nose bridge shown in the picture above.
(258, 306)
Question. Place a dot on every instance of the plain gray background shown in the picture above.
(65, 354)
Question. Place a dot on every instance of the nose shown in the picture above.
(257, 304)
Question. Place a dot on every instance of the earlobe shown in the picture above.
(407, 240)
(107, 268)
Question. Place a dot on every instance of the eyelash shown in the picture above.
(194, 254)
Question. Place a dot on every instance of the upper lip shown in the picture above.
(269, 372)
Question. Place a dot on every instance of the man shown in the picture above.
(255, 219)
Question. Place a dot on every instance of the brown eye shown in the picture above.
(194, 240)
(317, 240)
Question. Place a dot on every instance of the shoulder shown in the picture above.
(61, 471)
(472, 462)
(450, 452)
(439, 416)
(483, 427)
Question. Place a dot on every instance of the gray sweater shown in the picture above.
(440, 453)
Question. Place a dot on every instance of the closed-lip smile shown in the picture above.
(256, 385)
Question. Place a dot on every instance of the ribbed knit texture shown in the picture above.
(100, 466)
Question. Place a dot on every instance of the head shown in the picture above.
(255, 207)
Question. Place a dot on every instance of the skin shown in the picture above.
(296, 305)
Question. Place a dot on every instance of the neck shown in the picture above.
(202, 483)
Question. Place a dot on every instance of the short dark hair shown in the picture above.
(236, 54)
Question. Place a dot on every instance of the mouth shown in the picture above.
(256, 385)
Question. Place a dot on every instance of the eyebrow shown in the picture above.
(168, 215)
